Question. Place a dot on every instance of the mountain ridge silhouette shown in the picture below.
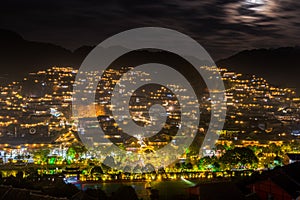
(19, 57)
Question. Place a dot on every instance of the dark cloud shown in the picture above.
(221, 26)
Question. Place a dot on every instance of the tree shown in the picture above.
(96, 171)
(177, 166)
(209, 163)
(41, 155)
(278, 161)
(188, 165)
(71, 153)
(75, 151)
(240, 158)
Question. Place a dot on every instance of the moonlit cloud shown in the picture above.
(221, 26)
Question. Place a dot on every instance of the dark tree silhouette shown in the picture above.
(239, 157)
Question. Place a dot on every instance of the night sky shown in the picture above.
(223, 27)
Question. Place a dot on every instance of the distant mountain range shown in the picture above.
(279, 66)
(18, 57)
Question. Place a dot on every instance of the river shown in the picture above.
(173, 189)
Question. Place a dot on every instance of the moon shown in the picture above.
(255, 1)
(257, 9)
(265, 7)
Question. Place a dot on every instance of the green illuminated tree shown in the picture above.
(209, 163)
(239, 157)
(41, 155)
(75, 152)
(71, 153)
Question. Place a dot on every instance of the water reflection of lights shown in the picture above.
(71, 179)
(187, 182)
